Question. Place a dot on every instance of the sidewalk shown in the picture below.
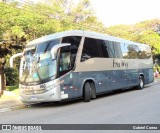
(9, 101)
(157, 79)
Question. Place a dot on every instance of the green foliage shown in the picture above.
(11, 88)
(155, 68)
(11, 76)
(146, 32)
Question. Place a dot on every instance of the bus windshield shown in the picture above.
(37, 64)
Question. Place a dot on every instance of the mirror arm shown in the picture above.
(56, 47)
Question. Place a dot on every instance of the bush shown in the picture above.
(11, 76)
(155, 68)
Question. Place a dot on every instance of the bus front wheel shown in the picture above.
(87, 92)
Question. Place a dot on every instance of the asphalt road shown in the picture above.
(121, 107)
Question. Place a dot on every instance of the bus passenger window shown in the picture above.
(91, 49)
(145, 52)
(110, 48)
(117, 49)
(124, 50)
(133, 51)
(104, 48)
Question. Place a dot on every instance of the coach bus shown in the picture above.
(81, 64)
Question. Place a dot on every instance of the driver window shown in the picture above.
(64, 60)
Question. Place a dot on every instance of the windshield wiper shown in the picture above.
(39, 75)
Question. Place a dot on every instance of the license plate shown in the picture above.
(33, 98)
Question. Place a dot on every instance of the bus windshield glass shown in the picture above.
(37, 64)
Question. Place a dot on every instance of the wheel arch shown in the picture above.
(142, 75)
(90, 80)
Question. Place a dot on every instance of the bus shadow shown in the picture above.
(119, 91)
(55, 104)
(80, 100)
(115, 92)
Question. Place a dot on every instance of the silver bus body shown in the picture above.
(107, 71)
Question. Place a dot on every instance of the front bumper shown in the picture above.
(49, 96)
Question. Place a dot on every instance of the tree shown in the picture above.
(12, 37)
(5, 49)
(146, 32)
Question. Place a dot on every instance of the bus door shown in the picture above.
(64, 72)
(67, 65)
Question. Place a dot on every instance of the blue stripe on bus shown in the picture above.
(104, 80)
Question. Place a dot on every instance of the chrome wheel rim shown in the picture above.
(141, 83)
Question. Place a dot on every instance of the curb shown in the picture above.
(156, 82)
(153, 83)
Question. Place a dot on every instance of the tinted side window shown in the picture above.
(103, 48)
(74, 40)
(91, 49)
(117, 49)
(124, 48)
(130, 51)
(133, 51)
(145, 52)
(110, 48)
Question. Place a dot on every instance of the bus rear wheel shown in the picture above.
(141, 83)
(93, 90)
(87, 92)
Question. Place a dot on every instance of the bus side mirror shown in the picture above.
(56, 47)
(14, 56)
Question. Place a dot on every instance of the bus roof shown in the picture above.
(81, 33)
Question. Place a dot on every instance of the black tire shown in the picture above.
(93, 90)
(87, 92)
(141, 83)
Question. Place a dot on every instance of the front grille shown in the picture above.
(31, 91)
